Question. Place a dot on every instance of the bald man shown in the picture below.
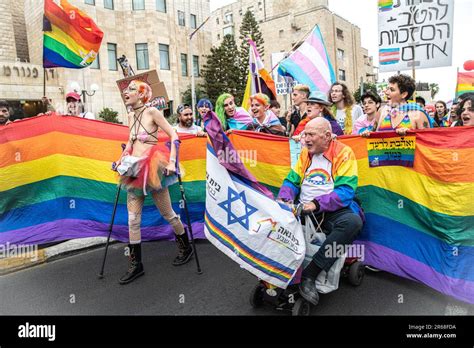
(325, 180)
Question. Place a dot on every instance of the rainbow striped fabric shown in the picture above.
(310, 64)
(71, 39)
(420, 220)
(465, 83)
(385, 5)
(56, 184)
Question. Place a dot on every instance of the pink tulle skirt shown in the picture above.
(151, 175)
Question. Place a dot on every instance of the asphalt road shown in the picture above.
(70, 286)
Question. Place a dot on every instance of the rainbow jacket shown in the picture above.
(344, 175)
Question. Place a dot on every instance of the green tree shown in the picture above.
(367, 86)
(248, 29)
(200, 93)
(222, 71)
(109, 115)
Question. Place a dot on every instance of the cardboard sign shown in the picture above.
(415, 33)
(159, 98)
(396, 151)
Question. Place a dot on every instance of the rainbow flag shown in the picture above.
(420, 220)
(71, 39)
(258, 80)
(385, 5)
(56, 183)
(310, 64)
(465, 83)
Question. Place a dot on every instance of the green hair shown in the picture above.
(220, 109)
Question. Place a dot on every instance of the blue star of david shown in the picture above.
(233, 196)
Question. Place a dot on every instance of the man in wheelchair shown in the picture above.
(324, 181)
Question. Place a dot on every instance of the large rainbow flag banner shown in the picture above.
(310, 64)
(465, 83)
(71, 39)
(56, 184)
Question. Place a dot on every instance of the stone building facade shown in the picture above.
(285, 23)
(153, 34)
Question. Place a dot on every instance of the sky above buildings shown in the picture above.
(364, 14)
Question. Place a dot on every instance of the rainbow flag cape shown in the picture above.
(56, 184)
(465, 83)
(71, 39)
(310, 64)
(258, 80)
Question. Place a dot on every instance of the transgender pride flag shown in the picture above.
(310, 64)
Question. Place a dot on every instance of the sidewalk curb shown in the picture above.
(37, 257)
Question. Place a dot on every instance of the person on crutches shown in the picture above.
(144, 170)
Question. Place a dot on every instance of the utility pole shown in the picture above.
(193, 82)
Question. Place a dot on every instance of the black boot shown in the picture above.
(135, 266)
(185, 251)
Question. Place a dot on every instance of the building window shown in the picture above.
(142, 56)
(96, 63)
(181, 19)
(280, 33)
(184, 64)
(196, 66)
(217, 21)
(342, 75)
(90, 2)
(112, 53)
(240, 12)
(161, 5)
(228, 18)
(228, 31)
(193, 21)
(164, 57)
(138, 5)
(340, 34)
(109, 4)
(340, 54)
(218, 36)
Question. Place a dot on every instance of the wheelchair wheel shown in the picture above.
(356, 273)
(301, 308)
(256, 296)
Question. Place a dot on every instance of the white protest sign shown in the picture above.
(415, 33)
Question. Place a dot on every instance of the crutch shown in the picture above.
(101, 274)
(186, 212)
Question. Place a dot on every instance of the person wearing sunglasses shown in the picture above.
(186, 121)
